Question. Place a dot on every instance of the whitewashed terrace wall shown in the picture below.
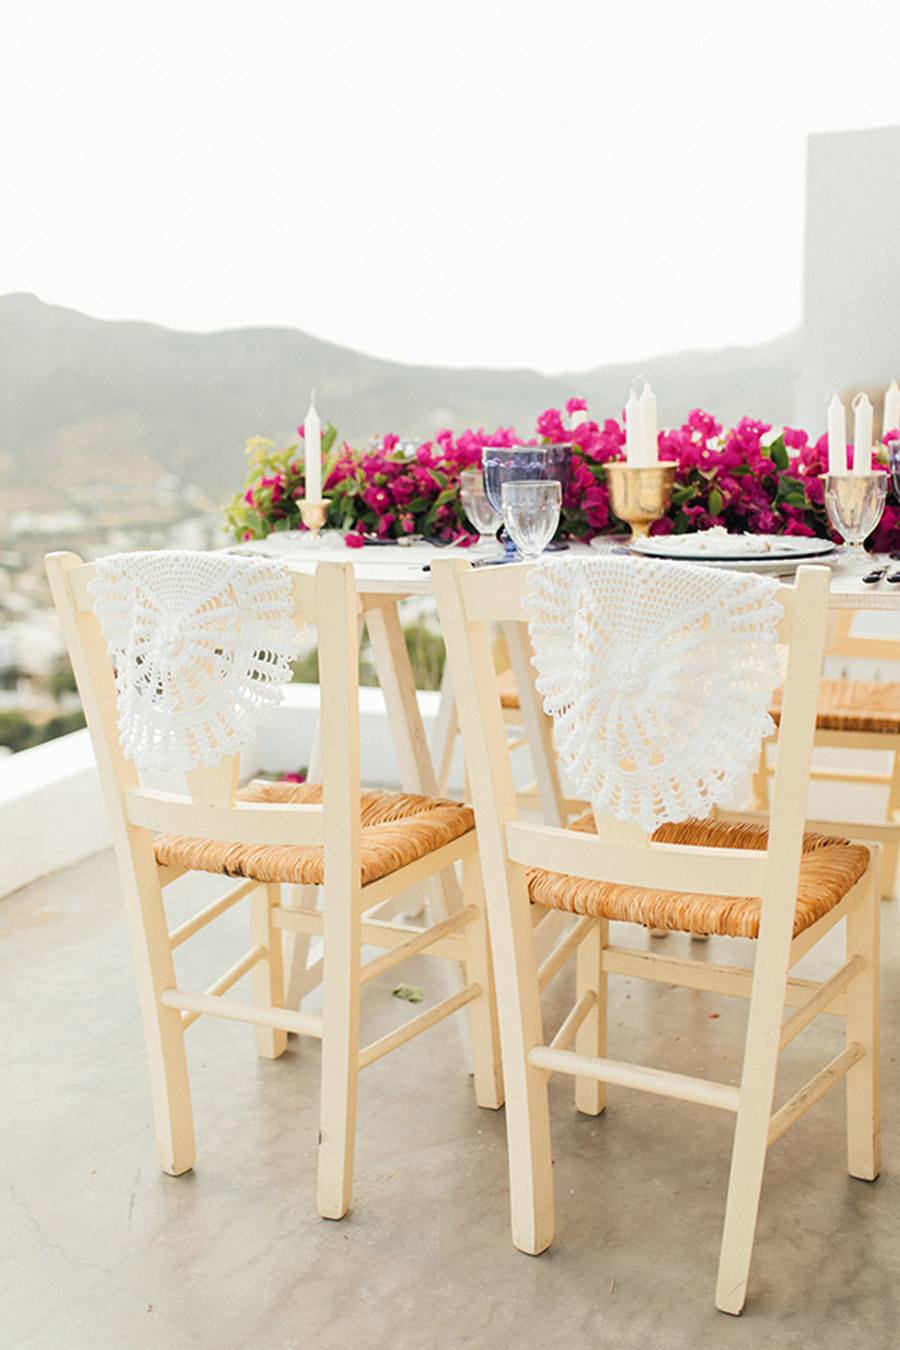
(51, 808)
(52, 815)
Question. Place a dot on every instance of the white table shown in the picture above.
(385, 575)
(404, 570)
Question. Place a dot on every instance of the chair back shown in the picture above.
(210, 809)
(472, 599)
(844, 642)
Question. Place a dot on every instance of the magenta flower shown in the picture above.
(739, 477)
(550, 426)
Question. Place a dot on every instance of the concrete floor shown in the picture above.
(100, 1249)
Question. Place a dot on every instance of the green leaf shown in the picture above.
(684, 494)
(409, 993)
(715, 502)
(779, 455)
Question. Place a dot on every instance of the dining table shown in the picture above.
(388, 573)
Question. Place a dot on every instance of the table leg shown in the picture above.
(413, 756)
(443, 737)
(399, 689)
(537, 727)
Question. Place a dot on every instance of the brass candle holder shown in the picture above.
(314, 515)
(640, 494)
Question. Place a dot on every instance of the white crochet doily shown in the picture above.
(202, 643)
(658, 677)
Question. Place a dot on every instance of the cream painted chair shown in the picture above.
(699, 877)
(365, 847)
(853, 715)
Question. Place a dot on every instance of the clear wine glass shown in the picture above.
(531, 514)
(893, 450)
(855, 504)
(478, 508)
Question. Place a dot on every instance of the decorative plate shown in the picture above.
(718, 546)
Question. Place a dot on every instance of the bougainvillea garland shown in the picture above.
(747, 479)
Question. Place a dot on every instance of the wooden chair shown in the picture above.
(704, 876)
(364, 846)
(853, 715)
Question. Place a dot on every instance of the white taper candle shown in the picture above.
(837, 436)
(891, 421)
(862, 434)
(633, 429)
(649, 427)
(312, 440)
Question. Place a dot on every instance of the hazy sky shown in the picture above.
(547, 183)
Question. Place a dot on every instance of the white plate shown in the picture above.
(746, 550)
(780, 567)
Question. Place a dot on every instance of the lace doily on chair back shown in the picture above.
(202, 643)
(658, 677)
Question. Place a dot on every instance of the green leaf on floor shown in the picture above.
(409, 993)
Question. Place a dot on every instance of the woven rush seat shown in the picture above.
(854, 705)
(844, 705)
(828, 870)
(397, 829)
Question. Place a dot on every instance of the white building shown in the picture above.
(851, 305)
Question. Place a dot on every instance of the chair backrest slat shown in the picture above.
(856, 646)
(246, 823)
(708, 871)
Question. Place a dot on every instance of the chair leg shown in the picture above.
(171, 1091)
(590, 1039)
(751, 1134)
(340, 1054)
(889, 850)
(527, 1105)
(170, 1087)
(268, 976)
(863, 1080)
(485, 1033)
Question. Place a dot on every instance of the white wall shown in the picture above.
(851, 306)
(51, 809)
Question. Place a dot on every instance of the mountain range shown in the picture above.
(87, 400)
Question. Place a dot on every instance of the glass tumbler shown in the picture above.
(531, 514)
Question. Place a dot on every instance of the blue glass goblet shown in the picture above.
(522, 463)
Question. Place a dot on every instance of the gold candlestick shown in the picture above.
(314, 515)
(640, 494)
